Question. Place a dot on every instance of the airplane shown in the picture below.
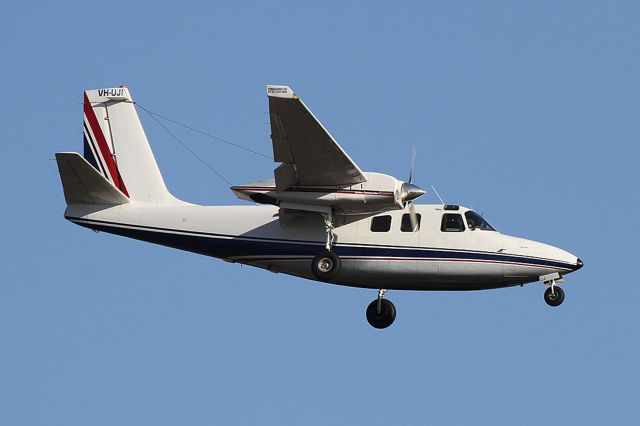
(321, 217)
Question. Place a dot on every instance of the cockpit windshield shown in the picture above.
(475, 221)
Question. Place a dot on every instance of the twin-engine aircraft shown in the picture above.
(321, 217)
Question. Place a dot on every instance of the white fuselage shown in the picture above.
(426, 259)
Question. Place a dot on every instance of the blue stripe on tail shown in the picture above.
(88, 155)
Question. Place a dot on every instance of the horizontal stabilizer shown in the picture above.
(83, 184)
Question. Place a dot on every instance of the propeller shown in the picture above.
(410, 192)
(413, 164)
(413, 217)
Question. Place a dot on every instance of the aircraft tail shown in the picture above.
(116, 146)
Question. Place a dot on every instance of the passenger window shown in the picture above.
(406, 225)
(381, 224)
(452, 222)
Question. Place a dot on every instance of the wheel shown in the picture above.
(326, 265)
(385, 317)
(554, 299)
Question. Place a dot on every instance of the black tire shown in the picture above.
(326, 265)
(554, 299)
(385, 317)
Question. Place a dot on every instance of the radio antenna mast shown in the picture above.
(436, 192)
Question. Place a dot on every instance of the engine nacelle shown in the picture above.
(379, 193)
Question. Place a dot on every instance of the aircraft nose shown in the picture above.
(579, 264)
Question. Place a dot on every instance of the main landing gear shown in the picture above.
(381, 312)
(326, 265)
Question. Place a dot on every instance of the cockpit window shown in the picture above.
(475, 221)
(452, 222)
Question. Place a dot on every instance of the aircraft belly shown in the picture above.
(515, 271)
(470, 275)
(386, 271)
(424, 274)
(402, 274)
(428, 271)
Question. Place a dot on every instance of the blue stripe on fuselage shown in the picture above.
(227, 246)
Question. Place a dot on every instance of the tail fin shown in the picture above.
(116, 146)
(83, 184)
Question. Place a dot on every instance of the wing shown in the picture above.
(309, 154)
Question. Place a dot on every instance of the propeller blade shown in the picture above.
(413, 217)
(413, 164)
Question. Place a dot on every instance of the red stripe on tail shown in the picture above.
(104, 148)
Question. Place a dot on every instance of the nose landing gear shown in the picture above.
(381, 312)
(554, 295)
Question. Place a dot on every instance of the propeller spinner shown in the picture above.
(409, 192)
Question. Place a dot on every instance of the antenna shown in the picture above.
(436, 192)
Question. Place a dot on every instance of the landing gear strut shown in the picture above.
(328, 228)
(381, 312)
(326, 265)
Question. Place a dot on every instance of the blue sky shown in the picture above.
(526, 111)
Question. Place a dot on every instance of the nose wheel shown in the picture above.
(381, 312)
(554, 296)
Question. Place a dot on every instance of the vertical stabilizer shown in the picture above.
(116, 145)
